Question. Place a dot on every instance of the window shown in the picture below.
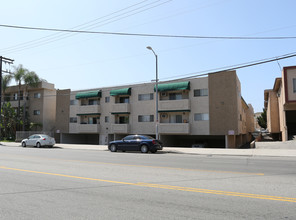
(200, 92)
(37, 95)
(73, 119)
(93, 102)
(107, 99)
(36, 112)
(145, 118)
(107, 119)
(175, 96)
(123, 119)
(93, 120)
(145, 97)
(294, 85)
(123, 99)
(14, 96)
(74, 102)
(201, 117)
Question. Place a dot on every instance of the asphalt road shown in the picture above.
(85, 184)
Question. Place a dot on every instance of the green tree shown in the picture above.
(262, 119)
(9, 120)
(30, 79)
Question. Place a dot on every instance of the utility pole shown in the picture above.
(9, 61)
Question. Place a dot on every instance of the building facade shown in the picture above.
(39, 102)
(280, 104)
(201, 112)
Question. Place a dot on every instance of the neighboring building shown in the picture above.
(256, 115)
(205, 111)
(40, 103)
(280, 104)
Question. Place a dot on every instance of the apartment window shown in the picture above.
(93, 120)
(123, 119)
(107, 99)
(175, 96)
(37, 95)
(93, 102)
(36, 112)
(73, 119)
(200, 92)
(294, 85)
(14, 96)
(201, 117)
(145, 97)
(106, 119)
(123, 99)
(74, 102)
(145, 118)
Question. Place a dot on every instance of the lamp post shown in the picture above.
(156, 90)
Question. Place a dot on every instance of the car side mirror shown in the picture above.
(123, 139)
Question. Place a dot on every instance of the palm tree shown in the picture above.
(5, 82)
(29, 78)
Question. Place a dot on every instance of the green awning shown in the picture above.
(185, 110)
(125, 91)
(88, 114)
(120, 113)
(90, 94)
(173, 86)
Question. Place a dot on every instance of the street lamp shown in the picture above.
(156, 90)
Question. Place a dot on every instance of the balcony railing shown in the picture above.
(167, 105)
(88, 128)
(121, 107)
(174, 128)
(120, 128)
(87, 109)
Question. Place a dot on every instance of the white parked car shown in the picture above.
(38, 140)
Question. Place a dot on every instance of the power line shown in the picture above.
(148, 35)
(118, 15)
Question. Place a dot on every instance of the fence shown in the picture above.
(20, 135)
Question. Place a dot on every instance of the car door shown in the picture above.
(124, 144)
(30, 141)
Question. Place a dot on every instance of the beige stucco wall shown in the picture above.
(291, 74)
(273, 124)
(224, 101)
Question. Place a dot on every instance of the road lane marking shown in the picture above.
(156, 167)
(169, 187)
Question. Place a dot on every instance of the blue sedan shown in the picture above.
(141, 143)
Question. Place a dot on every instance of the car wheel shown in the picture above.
(153, 151)
(38, 145)
(113, 148)
(144, 148)
(23, 144)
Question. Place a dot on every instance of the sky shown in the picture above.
(85, 61)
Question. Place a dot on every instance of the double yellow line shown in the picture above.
(160, 186)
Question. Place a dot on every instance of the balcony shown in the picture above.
(14, 103)
(120, 128)
(174, 105)
(174, 128)
(121, 107)
(88, 128)
(89, 109)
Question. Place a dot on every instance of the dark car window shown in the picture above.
(144, 137)
(128, 138)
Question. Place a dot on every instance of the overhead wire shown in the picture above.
(55, 37)
(149, 35)
(200, 73)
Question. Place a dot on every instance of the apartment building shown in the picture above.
(39, 102)
(280, 104)
(208, 112)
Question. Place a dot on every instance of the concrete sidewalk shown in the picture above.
(275, 149)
